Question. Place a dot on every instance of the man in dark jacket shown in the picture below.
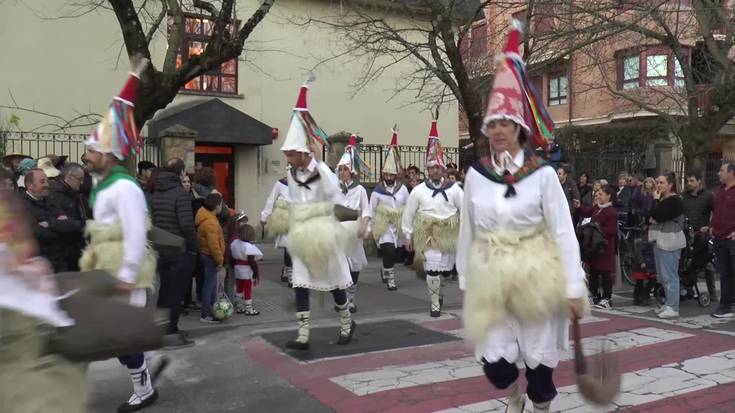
(48, 223)
(171, 211)
(699, 203)
(66, 198)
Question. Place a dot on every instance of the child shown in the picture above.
(245, 256)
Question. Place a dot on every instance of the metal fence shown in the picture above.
(38, 145)
(374, 155)
(605, 165)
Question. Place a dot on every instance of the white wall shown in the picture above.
(67, 67)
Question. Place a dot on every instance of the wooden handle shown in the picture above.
(580, 366)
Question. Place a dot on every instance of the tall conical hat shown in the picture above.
(392, 162)
(351, 158)
(514, 98)
(434, 149)
(303, 127)
(118, 133)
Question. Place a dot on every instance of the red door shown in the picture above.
(222, 160)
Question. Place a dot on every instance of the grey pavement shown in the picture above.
(216, 375)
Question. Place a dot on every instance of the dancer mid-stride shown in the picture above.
(431, 222)
(274, 219)
(317, 241)
(517, 255)
(118, 233)
(387, 202)
(354, 196)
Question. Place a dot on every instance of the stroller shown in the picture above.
(696, 258)
(644, 273)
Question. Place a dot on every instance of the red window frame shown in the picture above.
(194, 37)
(672, 80)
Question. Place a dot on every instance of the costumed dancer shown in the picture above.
(316, 240)
(387, 202)
(247, 272)
(274, 219)
(118, 234)
(431, 222)
(517, 255)
(354, 196)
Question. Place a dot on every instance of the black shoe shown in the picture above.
(297, 345)
(157, 369)
(284, 278)
(441, 302)
(435, 313)
(176, 340)
(127, 408)
(290, 285)
(346, 339)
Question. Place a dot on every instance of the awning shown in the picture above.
(214, 121)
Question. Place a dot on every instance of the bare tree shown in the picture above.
(692, 89)
(433, 35)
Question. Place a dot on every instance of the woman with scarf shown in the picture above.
(517, 253)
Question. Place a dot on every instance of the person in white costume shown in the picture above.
(317, 241)
(387, 202)
(354, 196)
(274, 218)
(431, 222)
(118, 232)
(517, 255)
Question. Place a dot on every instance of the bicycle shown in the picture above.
(626, 250)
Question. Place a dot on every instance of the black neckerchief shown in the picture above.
(283, 181)
(346, 188)
(532, 164)
(314, 177)
(441, 189)
(381, 189)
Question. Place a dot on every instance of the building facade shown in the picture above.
(233, 119)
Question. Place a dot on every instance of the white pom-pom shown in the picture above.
(517, 24)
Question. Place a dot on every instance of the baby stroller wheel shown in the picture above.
(704, 299)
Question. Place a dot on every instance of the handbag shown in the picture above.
(105, 325)
(669, 235)
(165, 242)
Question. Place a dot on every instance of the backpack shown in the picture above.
(592, 241)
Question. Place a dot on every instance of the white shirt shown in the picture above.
(324, 189)
(422, 201)
(356, 198)
(240, 251)
(398, 200)
(539, 200)
(123, 203)
(280, 190)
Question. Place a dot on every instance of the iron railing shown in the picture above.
(38, 145)
(374, 155)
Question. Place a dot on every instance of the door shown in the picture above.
(220, 158)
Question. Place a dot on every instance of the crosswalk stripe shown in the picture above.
(398, 377)
(639, 387)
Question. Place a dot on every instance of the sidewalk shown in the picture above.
(275, 300)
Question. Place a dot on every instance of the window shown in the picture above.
(657, 70)
(654, 67)
(631, 72)
(197, 32)
(478, 42)
(558, 85)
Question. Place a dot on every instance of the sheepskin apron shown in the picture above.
(318, 244)
(387, 218)
(435, 241)
(277, 224)
(515, 280)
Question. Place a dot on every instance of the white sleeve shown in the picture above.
(237, 248)
(251, 249)
(458, 197)
(374, 201)
(559, 222)
(365, 205)
(132, 209)
(408, 213)
(330, 183)
(269, 203)
(466, 233)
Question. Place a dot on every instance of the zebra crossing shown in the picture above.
(664, 365)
